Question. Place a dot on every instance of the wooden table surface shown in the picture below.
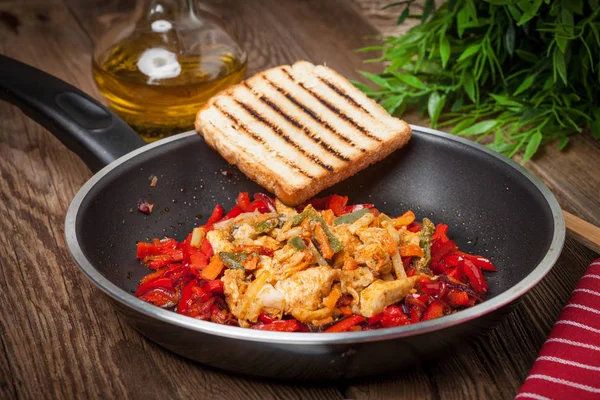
(61, 339)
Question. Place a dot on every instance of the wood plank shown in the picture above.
(59, 336)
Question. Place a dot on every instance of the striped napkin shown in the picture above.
(568, 366)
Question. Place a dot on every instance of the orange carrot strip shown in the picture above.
(321, 237)
(411, 250)
(403, 220)
(213, 269)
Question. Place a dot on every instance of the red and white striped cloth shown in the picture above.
(568, 366)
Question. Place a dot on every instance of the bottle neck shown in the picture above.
(169, 10)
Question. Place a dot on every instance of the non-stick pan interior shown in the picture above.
(492, 208)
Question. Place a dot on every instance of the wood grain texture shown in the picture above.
(583, 231)
(61, 339)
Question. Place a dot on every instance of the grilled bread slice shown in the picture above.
(299, 129)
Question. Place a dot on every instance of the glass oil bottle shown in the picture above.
(158, 69)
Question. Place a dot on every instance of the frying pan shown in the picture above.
(494, 207)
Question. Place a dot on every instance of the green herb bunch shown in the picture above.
(512, 73)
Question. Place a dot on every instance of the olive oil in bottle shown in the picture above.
(157, 74)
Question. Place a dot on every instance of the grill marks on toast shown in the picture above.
(342, 93)
(333, 108)
(311, 113)
(264, 99)
(256, 115)
(245, 130)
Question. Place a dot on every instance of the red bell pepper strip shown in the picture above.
(159, 261)
(161, 283)
(337, 204)
(216, 216)
(414, 227)
(176, 272)
(345, 324)
(187, 250)
(440, 249)
(394, 316)
(438, 268)
(476, 278)
(457, 297)
(206, 248)
(265, 319)
(375, 318)
(243, 201)
(160, 298)
(440, 233)
(197, 299)
(284, 325)
(198, 261)
(159, 273)
(433, 288)
(417, 300)
(457, 273)
(319, 204)
(200, 293)
(214, 286)
(186, 297)
(453, 260)
(480, 261)
(260, 206)
(145, 249)
(415, 315)
(234, 212)
(159, 247)
(173, 272)
(435, 310)
(266, 200)
(410, 271)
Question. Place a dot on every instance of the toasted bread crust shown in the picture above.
(284, 171)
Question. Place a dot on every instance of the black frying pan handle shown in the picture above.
(81, 123)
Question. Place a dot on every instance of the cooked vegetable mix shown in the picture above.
(323, 267)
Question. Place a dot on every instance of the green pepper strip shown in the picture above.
(352, 217)
(266, 226)
(310, 212)
(297, 243)
(334, 242)
(233, 260)
(426, 232)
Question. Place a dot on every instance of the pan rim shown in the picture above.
(297, 338)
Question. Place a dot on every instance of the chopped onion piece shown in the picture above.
(271, 297)
(197, 236)
(320, 260)
(145, 207)
(398, 265)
